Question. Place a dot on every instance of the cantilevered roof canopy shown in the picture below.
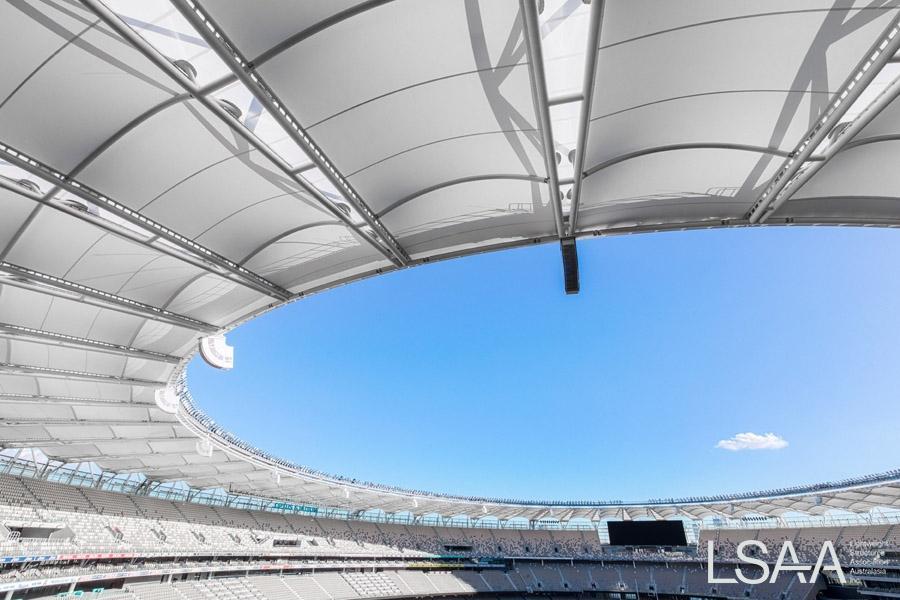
(170, 169)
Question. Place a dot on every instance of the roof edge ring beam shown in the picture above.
(44, 283)
(539, 92)
(210, 31)
(584, 120)
(154, 56)
(881, 52)
(193, 252)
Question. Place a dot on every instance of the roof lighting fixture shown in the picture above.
(246, 108)
(187, 68)
(75, 204)
(230, 108)
(29, 185)
(164, 28)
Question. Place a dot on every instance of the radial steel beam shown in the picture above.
(17, 369)
(19, 332)
(47, 400)
(153, 55)
(15, 422)
(190, 251)
(376, 234)
(539, 91)
(41, 282)
(30, 442)
(206, 26)
(843, 140)
(584, 120)
(884, 48)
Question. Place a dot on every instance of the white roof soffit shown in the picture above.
(172, 168)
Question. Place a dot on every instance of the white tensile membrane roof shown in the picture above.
(170, 169)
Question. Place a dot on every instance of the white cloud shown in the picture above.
(753, 441)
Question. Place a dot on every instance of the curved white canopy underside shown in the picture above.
(361, 137)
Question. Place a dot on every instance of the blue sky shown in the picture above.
(480, 376)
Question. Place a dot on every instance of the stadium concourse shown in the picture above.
(170, 169)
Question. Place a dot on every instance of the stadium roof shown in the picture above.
(171, 169)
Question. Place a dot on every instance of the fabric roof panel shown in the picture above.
(215, 300)
(473, 213)
(15, 209)
(162, 151)
(807, 55)
(394, 46)
(256, 31)
(657, 18)
(398, 125)
(33, 33)
(676, 186)
(507, 153)
(106, 84)
(302, 259)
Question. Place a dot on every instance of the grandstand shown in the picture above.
(67, 538)
(218, 173)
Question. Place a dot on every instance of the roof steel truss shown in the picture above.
(133, 38)
(882, 51)
(30, 279)
(204, 257)
(204, 24)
